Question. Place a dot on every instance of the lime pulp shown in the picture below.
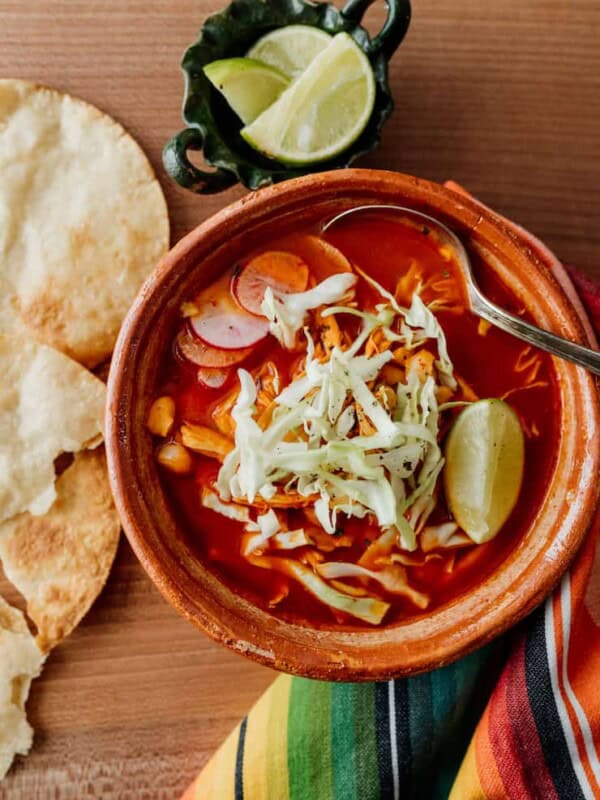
(485, 457)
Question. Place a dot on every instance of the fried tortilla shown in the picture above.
(48, 405)
(59, 562)
(20, 661)
(83, 220)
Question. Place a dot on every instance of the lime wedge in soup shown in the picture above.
(322, 112)
(485, 455)
(249, 86)
(290, 49)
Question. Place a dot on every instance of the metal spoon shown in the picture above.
(484, 308)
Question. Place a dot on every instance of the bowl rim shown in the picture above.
(473, 619)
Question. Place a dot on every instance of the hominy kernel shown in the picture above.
(174, 457)
(161, 416)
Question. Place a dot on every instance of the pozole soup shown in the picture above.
(321, 434)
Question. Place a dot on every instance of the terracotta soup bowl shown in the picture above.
(504, 596)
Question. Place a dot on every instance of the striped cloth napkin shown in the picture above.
(519, 719)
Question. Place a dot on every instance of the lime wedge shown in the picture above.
(290, 49)
(249, 86)
(322, 112)
(485, 455)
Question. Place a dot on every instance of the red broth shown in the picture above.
(491, 362)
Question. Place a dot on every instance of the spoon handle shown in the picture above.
(557, 345)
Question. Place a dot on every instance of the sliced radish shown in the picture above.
(231, 329)
(213, 378)
(203, 355)
(220, 322)
(225, 332)
(278, 269)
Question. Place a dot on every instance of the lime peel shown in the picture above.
(322, 112)
(485, 457)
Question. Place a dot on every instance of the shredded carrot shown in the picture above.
(376, 343)
(531, 431)
(365, 426)
(443, 394)
(312, 557)
(267, 380)
(298, 435)
(327, 542)
(421, 362)
(446, 293)
(263, 399)
(409, 282)
(346, 340)
(528, 362)
(392, 375)
(466, 390)
(534, 385)
(446, 252)
(378, 549)
(410, 559)
(280, 499)
(483, 327)
(264, 420)
(400, 354)
(221, 414)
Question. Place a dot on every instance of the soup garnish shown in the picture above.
(308, 406)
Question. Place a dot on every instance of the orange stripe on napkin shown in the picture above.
(467, 785)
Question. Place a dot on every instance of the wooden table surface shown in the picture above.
(503, 96)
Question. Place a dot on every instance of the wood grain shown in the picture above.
(504, 97)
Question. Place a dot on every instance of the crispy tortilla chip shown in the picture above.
(48, 405)
(83, 220)
(20, 662)
(60, 561)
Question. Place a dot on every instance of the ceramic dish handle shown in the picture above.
(181, 169)
(394, 28)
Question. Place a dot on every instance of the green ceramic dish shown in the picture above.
(214, 129)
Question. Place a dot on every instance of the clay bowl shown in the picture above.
(503, 598)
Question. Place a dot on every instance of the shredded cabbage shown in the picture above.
(286, 312)
(392, 577)
(444, 535)
(421, 317)
(313, 444)
(369, 609)
(289, 540)
(283, 540)
(266, 526)
(230, 510)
